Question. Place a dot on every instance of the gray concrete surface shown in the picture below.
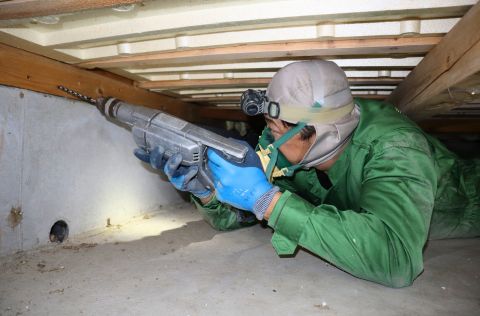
(61, 160)
(11, 131)
(173, 263)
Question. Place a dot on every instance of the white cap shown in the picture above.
(316, 92)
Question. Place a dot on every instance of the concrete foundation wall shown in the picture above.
(61, 160)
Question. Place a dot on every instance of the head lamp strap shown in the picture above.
(273, 148)
(315, 115)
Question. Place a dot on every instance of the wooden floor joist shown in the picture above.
(182, 70)
(395, 46)
(230, 113)
(247, 82)
(29, 71)
(454, 59)
(203, 83)
(236, 99)
(451, 125)
(437, 126)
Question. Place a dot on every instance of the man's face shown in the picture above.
(295, 148)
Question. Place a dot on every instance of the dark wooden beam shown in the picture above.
(452, 125)
(434, 126)
(29, 71)
(220, 113)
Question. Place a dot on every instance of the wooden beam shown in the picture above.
(29, 71)
(374, 81)
(266, 66)
(181, 70)
(453, 60)
(185, 93)
(370, 96)
(247, 82)
(227, 99)
(204, 83)
(236, 99)
(396, 46)
(232, 113)
(465, 67)
(463, 125)
(438, 126)
(21, 9)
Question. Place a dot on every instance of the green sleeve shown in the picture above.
(223, 216)
(383, 241)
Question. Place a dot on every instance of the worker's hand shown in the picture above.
(154, 157)
(243, 186)
(183, 178)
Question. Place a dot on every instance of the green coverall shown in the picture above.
(392, 188)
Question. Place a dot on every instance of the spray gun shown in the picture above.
(152, 128)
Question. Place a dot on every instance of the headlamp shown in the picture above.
(255, 102)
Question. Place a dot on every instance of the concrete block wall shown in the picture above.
(61, 160)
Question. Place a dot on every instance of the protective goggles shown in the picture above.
(255, 102)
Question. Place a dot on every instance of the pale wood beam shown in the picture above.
(453, 60)
(391, 46)
(273, 66)
(246, 82)
(21, 9)
(236, 99)
(206, 83)
(231, 91)
(147, 72)
(29, 71)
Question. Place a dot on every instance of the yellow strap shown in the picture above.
(278, 172)
(314, 115)
(263, 154)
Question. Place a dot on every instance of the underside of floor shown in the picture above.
(171, 262)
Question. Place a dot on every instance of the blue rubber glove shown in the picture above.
(154, 157)
(183, 178)
(243, 186)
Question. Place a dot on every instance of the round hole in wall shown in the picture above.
(59, 231)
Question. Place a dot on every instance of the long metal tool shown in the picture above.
(152, 128)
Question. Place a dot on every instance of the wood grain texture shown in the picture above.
(454, 59)
(391, 46)
(29, 71)
(453, 126)
(247, 82)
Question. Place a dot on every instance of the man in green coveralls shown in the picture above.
(353, 181)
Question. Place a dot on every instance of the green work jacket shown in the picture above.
(393, 187)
